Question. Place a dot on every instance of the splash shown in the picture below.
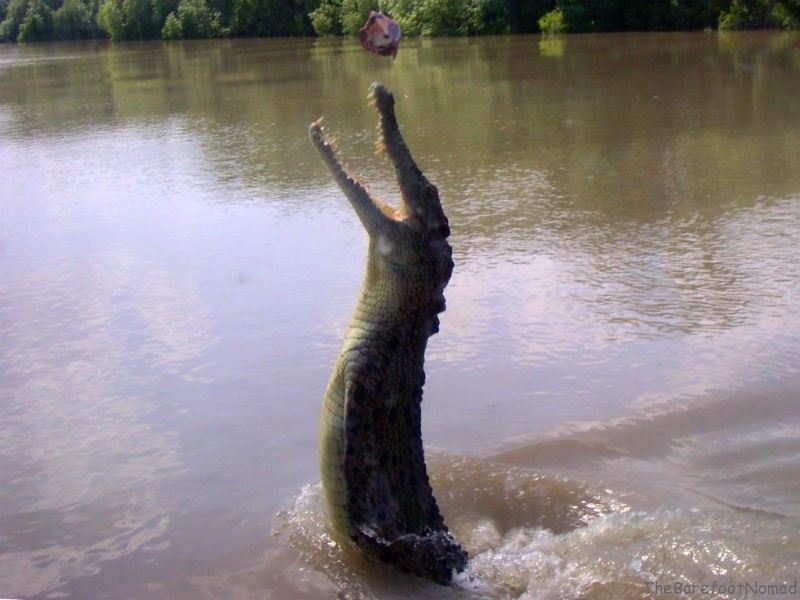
(534, 536)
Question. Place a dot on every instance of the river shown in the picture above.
(612, 402)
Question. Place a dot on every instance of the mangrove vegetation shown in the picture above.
(39, 20)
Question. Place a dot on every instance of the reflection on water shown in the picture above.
(623, 326)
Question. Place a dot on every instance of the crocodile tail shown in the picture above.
(435, 556)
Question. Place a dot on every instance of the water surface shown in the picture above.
(613, 398)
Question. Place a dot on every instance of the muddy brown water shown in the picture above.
(612, 402)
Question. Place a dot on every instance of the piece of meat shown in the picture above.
(380, 34)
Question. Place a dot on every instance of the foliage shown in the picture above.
(127, 19)
(524, 15)
(15, 14)
(355, 13)
(139, 19)
(792, 9)
(161, 9)
(37, 25)
(758, 14)
(488, 17)
(172, 30)
(73, 21)
(787, 14)
(22, 20)
(553, 22)
(415, 17)
(271, 17)
(198, 20)
(326, 18)
(659, 15)
(443, 17)
(110, 20)
(405, 13)
(249, 18)
(736, 17)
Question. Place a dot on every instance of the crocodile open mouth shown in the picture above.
(419, 207)
(351, 183)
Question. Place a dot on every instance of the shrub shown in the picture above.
(139, 19)
(73, 21)
(245, 17)
(111, 20)
(524, 15)
(752, 14)
(443, 17)
(487, 17)
(172, 30)
(160, 10)
(406, 13)
(128, 20)
(735, 17)
(15, 14)
(791, 8)
(38, 23)
(272, 17)
(326, 18)
(553, 22)
(355, 13)
(786, 15)
(198, 20)
(415, 17)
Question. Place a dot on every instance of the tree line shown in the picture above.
(39, 20)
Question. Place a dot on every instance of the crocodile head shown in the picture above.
(409, 240)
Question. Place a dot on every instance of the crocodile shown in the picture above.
(375, 482)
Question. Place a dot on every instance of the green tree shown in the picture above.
(553, 22)
(73, 21)
(792, 7)
(293, 17)
(15, 14)
(111, 20)
(487, 17)
(750, 14)
(172, 30)
(139, 19)
(602, 15)
(736, 17)
(198, 20)
(443, 17)
(128, 20)
(524, 15)
(160, 10)
(355, 13)
(787, 13)
(406, 13)
(37, 26)
(326, 19)
(658, 15)
(277, 17)
(249, 18)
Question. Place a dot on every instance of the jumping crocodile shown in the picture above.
(374, 478)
